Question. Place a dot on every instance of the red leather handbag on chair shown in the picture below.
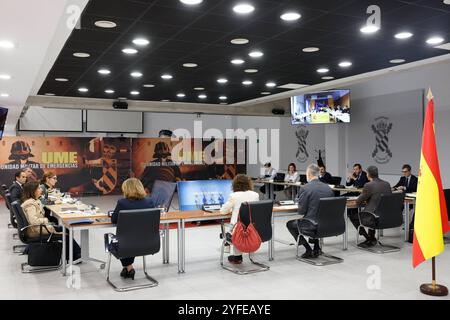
(246, 238)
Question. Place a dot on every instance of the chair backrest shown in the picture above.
(21, 219)
(3, 189)
(162, 193)
(447, 200)
(336, 181)
(331, 217)
(390, 210)
(303, 178)
(261, 217)
(138, 232)
(279, 177)
(8, 199)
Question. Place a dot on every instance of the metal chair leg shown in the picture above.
(19, 248)
(26, 268)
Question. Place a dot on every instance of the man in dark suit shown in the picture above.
(16, 189)
(324, 176)
(358, 178)
(407, 183)
(308, 206)
(369, 198)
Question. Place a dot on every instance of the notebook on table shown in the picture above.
(80, 221)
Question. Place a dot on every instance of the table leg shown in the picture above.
(272, 192)
(63, 253)
(272, 241)
(345, 244)
(183, 247)
(266, 191)
(70, 257)
(167, 243)
(406, 223)
(84, 244)
(179, 247)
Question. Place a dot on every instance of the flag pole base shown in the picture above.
(436, 290)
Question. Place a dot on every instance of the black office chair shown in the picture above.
(330, 223)
(137, 235)
(3, 191)
(387, 215)
(262, 219)
(23, 225)
(12, 220)
(336, 181)
(303, 179)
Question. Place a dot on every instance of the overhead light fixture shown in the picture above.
(251, 70)
(81, 55)
(141, 41)
(256, 54)
(290, 16)
(327, 78)
(202, 96)
(323, 70)
(397, 61)
(129, 51)
(105, 24)
(247, 82)
(104, 71)
(49, 94)
(148, 85)
(134, 93)
(5, 77)
(5, 44)
(190, 65)
(167, 76)
(446, 1)
(240, 41)
(369, 29)
(310, 49)
(181, 95)
(403, 35)
(435, 40)
(237, 61)
(271, 84)
(109, 91)
(191, 2)
(345, 64)
(265, 93)
(223, 97)
(83, 89)
(222, 80)
(243, 8)
(224, 103)
(4, 95)
(136, 74)
(165, 100)
(61, 79)
(199, 88)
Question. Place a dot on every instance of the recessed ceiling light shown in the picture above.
(136, 74)
(141, 42)
(49, 94)
(122, 98)
(271, 84)
(251, 70)
(202, 96)
(6, 44)
(369, 29)
(129, 51)
(223, 98)
(256, 54)
(135, 93)
(403, 35)
(222, 80)
(190, 65)
(4, 95)
(5, 77)
(247, 82)
(167, 76)
(104, 71)
(345, 64)
(181, 95)
(290, 16)
(199, 88)
(191, 2)
(265, 93)
(435, 40)
(165, 100)
(327, 78)
(148, 85)
(83, 89)
(105, 24)
(61, 79)
(397, 61)
(323, 70)
(243, 8)
(81, 55)
(446, 1)
(240, 41)
(310, 49)
(237, 61)
(109, 91)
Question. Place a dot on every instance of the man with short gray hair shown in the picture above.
(308, 206)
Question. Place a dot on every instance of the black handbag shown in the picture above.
(45, 253)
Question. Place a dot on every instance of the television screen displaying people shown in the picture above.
(193, 195)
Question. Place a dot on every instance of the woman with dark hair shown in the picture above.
(242, 192)
(291, 176)
(48, 183)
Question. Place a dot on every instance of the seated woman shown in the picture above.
(242, 192)
(134, 198)
(48, 183)
(291, 176)
(34, 212)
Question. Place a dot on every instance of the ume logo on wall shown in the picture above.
(381, 128)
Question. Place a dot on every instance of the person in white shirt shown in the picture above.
(269, 173)
(242, 192)
(291, 176)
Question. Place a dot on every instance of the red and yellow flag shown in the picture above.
(430, 222)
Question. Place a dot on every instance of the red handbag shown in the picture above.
(246, 238)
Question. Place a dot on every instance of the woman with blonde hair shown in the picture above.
(135, 198)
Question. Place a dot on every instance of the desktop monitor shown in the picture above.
(3, 114)
(162, 193)
(192, 195)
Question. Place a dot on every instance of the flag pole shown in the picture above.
(434, 289)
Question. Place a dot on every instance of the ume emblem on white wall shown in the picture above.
(381, 128)
(302, 153)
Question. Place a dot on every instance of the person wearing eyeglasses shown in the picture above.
(48, 183)
(407, 183)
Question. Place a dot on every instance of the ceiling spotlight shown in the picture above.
(251, 70)
(61, 79)
(81, 55)
(345, 64)
(202, 96)
(181, 95)
(6, 44)
(397, 61)
(403, 35)
(290, 16)
(446, 1)
(4, 95)
(327, 78)
(323, 70)
(5, 77)
(247, 82)
(222, 80)
(265, 93)
(49, 94)
(191, 2)
(199, 88)
(109, 91)
(148, 85)
(167, 76)
(141, 42)
(256, 54)
(223, 98)
(165, 100)
(240, 41)
(136, 74)
(104, 71)
(135, 93)
(237, 61)
(310, 49)
(105, 24)
(129, 51)
(83, 89)
(435, 40)
(271, 84)
(190, 65)
(243, 8)
(369, 29)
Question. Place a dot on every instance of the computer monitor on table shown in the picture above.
(162, 193)
(193, 195)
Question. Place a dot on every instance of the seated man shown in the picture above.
(269, 173)
(370, 197)
(308, 205)
(16, 189)
(324, 176)
(407, 183)
(358, 178)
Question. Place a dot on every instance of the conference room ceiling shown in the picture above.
(201, 34)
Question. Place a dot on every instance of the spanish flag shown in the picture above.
(431, 222)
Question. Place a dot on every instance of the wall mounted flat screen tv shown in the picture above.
(322, 107)
(3, 114)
